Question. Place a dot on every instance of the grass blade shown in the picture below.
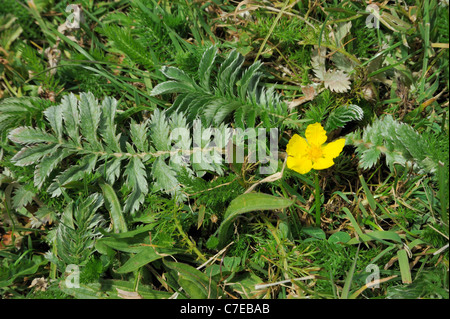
(404, 266)
(349, 279)
(369, 195)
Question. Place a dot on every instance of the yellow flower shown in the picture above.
(311, 153)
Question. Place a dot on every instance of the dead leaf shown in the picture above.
(309, 92)
(46, 94)
(309, 95)
(429, 101)
(368, 93)
(7, 240)
(53, 55)
(214, 218)
(128, 294)
(268, 179)
(41, 284)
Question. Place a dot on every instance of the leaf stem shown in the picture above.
(317, 198)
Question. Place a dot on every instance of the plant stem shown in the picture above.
(185, 237)
(317, 197)
(261, 48)
(426, 36)
(53, 267)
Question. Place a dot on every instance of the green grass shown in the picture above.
(383, 205)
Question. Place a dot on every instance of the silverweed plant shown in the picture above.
(224, 150)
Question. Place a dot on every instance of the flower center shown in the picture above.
(315, 152)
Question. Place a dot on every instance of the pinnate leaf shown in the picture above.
(336, 81)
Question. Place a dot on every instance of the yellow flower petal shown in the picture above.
(315, 134)
(329, 152)
(297, 146)
(323, 163)
(333, 149)
(301, 165)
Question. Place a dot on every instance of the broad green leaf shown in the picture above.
(194, 289)
(377, 235)
(104, 249)
(114, 207)
(315, 232)
(127, 245)
(248, 203)
(217, 270)
(339, 237)
(130, 241)
(144, 256)
(140, 231)
(244, 284)
(25, 268)
(415, 242)
(194, 282)
(107, 289)
(385, 235)
(212, 242)
(394, 23)
(232, 263)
